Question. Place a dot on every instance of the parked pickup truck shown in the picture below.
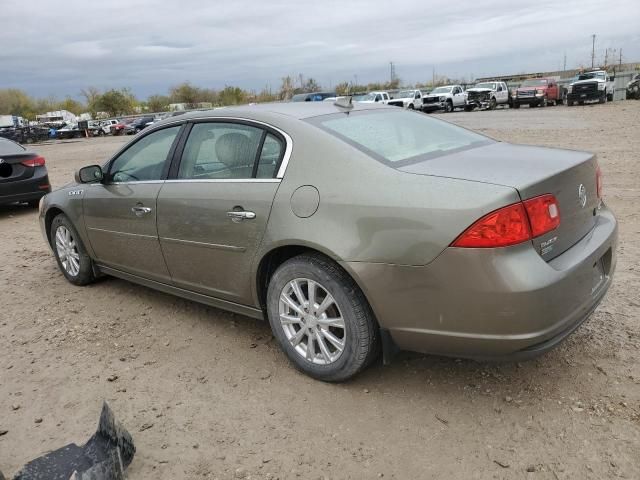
(372, 97)
(537, 92)
(587, 86)
(446, 98)
(410, 99)
(487, 95)
(633, 88)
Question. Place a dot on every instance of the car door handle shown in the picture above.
(139, 211)
(238, 215)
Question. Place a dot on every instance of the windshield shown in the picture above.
(442, 90)
(368, 97)
(398, 138)
(489, 85)
(534, 82)
(590, 75)
(405, 94)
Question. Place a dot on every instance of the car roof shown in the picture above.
(296, 110)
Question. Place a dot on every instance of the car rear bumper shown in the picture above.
(26, 190)
(503, 303)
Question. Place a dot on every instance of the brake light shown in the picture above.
(599, 181)
(513, 224)
(543, 213)
(506, 226)
(34, 162)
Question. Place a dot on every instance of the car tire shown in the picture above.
(76, 264)
(493, 103)
(516, 105)
(411, 107)
(543, 103)
(603, 98)
(318, 351)
(448, 107)
(610, 97)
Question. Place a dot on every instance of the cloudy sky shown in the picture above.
(57, 48)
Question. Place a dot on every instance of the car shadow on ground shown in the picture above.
(407, 372)
(17, 210)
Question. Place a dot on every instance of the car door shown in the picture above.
(458, 97)
(417, 100)
(503, 93)
(213, 211)
(120, 212)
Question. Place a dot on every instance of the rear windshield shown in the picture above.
(8, 147)
(398, 137)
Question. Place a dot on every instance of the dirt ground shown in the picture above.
(207, 394)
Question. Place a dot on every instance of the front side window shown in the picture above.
(144, 160)
(229, 150)
(398, 138)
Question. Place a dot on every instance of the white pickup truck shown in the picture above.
(446, 98)
(487, 95)
(410, 99)
(595, 85)
(372, 97)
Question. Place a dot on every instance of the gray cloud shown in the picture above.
(60, 47)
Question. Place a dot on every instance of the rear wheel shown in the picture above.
(321, 319)
(70, 253)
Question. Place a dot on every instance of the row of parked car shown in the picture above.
(595, 85)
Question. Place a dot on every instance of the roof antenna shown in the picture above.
(344, 101)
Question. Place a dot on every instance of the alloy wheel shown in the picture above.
(312, 322)
(67, 251)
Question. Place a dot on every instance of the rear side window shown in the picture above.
(398, 138)
(272, 151)
(220, 150)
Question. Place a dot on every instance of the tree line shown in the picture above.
(116, 102)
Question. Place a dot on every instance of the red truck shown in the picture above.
(537, 92)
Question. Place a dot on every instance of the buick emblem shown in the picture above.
(582, 195)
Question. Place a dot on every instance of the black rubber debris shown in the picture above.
(104, 457)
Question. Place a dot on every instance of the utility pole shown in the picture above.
(564, 68)
(620, 61)
(433, 78)
(356, 77)
(593, 49)
(392, 73)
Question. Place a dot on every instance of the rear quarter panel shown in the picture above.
(370, 212)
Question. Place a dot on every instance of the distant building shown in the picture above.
(58, 116)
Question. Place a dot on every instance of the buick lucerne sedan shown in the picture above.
(353, 229)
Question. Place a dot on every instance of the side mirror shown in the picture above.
(90, 174)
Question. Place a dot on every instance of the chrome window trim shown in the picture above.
(224, 180)
(147, 131)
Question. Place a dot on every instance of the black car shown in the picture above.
(23, 175)
(137, 125)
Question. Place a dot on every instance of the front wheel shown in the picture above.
(411, 107)
(71, 255)
(321, 319)
(493, 103)
(448, 107)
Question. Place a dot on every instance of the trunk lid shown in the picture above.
(532, 171)
(11, 168)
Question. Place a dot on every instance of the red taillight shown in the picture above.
(599, 181)
(34, 162)
(544, 214)
(512, 224)
(501, 228)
